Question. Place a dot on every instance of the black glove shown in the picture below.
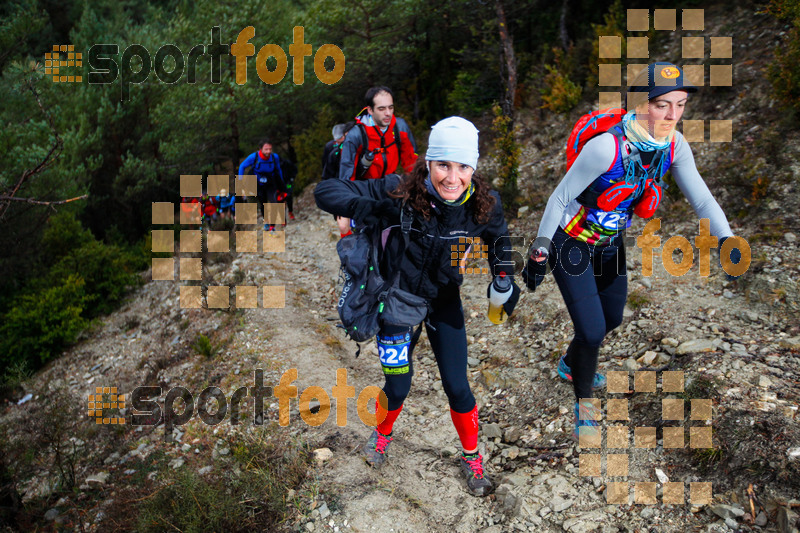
(534, 271)
(511, 303)
(736, 258)
(370, 212)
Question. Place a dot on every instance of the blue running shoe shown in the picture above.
(599, 381)
(587, 424)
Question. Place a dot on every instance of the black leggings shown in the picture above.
(448, 337)
(594, 283)
(267, 194)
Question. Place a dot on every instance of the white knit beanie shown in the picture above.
(453, 139)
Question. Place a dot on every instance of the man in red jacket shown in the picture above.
(379, 144)
(388, 140)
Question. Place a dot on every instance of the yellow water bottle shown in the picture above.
(499, 292)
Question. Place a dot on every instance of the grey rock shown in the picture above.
(738, 348)
(98, 479)
(790, 237)
(663, 359)
(792, 343)
(177, 463)
(205, 470)
(630, 364)
(787, 520)
(727, 294)
(324, 512)
(51, 514)
(449, 451)
(310, 526)
(761, 519)
(695, 346)
(647, 512)
(585, 523)
(512, 434)
(414, 410)
(560, 504)
(727, 511)
(114, 457)
(492, 431)
(473, 361)
(764, 382)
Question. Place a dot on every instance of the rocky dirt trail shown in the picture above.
(734, 345)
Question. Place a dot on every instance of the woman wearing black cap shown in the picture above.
(616, 174)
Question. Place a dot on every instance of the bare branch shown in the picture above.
(41, 202)
(49, 158)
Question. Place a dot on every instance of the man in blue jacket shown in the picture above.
(271, 187)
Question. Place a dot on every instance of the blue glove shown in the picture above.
(736, 257)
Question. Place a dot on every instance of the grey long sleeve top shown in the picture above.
(595, 159)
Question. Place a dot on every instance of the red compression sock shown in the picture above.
(467, 427)
(385, 427)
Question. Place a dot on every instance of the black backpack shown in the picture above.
(368, 300)
(330, 169)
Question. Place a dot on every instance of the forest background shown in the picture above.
(65, 263)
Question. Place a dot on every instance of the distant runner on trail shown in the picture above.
(379, 144)
(289, 171)
(266, 165)
(616, 174)
(331, 157)
(442, 201)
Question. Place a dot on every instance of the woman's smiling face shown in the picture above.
(450, 179)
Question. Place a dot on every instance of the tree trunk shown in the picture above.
(509, 64)
(234, 122)
(562, 26)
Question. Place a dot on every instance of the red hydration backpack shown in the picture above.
(588, 126)
(593, 124)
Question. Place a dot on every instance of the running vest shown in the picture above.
(585, 221)
(388, 147)
(267, 170)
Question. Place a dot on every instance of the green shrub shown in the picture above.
(507, 152)
(470, 95)
(63, 235)
(85, 278)
(253, 499)
(560, 94)
(42, 324)
(309, 145)
(107, 270)
(784, 71)
(203, 346)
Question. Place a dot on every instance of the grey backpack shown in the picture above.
(368, 300)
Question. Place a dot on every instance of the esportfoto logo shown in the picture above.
(169, 64)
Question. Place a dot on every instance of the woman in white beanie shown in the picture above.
(449, 201)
